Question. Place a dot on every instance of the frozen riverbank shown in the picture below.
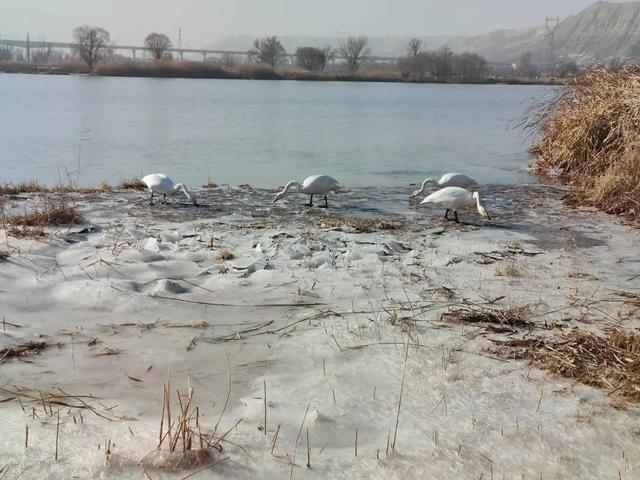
(317, 308)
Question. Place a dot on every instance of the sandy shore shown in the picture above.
(332, 316)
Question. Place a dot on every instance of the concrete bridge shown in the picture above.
(32, 44)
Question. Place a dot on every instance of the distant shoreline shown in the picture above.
(196, 70)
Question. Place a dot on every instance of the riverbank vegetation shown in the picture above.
(350, 60)
(589, 134)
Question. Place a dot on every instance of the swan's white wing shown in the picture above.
(158, 182)
(453, 197)
(453, 179)
(319, 184)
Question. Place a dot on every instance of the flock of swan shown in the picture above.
(452, 196)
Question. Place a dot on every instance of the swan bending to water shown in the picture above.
(160, 183)
(450, 179)
(455, 198)
(313, 185)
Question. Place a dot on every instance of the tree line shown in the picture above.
(93, 44)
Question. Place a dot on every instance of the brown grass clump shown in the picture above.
(225, 255)
(48, 213)
(510, 271)
(611, 362)
(498, 319)
(132, 184)
(4, 255)
(209, 185)
(360, 225)
(104, 187)
(32, 186)
(181, 443)
(589, 136)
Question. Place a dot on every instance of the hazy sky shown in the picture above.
(204, 21)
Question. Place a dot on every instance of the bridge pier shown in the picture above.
(204, 57)
(133, 51)
(181, 56)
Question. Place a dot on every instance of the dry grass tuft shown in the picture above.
(47, 213)
(498, 319)
(209, 185)
(32, 186)
(360, 225)
(104, 187)
(50, 213)
(589, 136)
(181, 443)
(132, 184)
(225, 255)
(4, 255)
(611, 362)
(510, 271)
(22, 350)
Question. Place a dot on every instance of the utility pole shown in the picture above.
(180, 43)
(551, 24)
(28, 48)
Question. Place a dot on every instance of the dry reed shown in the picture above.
(589, 137)
(132, 184)
(32, 186)
(611, 362)
(225, 255)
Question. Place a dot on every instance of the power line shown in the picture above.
(551, 24)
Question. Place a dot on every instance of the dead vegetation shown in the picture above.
(359, 225)
(4, 254)
(22, 350)
(497, 319)
(32, 186)
(47, 212)
(510, 271)
(589, 137)
(132, 184)
(225, 255)
(209, 185)
(611, 362)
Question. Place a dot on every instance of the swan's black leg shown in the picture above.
(456, 215)
(446, 214)
(326, 202)
(151, 201)
(310, 204)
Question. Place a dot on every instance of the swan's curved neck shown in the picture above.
(185, 190)
(476, 196)
(289, 185)
(424, 185)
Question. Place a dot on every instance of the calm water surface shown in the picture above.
(259, 132)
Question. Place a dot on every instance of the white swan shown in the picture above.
(456, 198)
(450, 179)
(160, 183)
(313, 185)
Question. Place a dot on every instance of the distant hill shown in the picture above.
(600, 32)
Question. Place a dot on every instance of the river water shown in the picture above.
(263, 133)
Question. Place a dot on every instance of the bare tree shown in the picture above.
(442, 65)
(90, 41)
(354, 51)
(158, 44)
(311, 58)
(469, 67)
(268, 50)
(526, 68)
(229, 60)
(414, 46)
(6, 53)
